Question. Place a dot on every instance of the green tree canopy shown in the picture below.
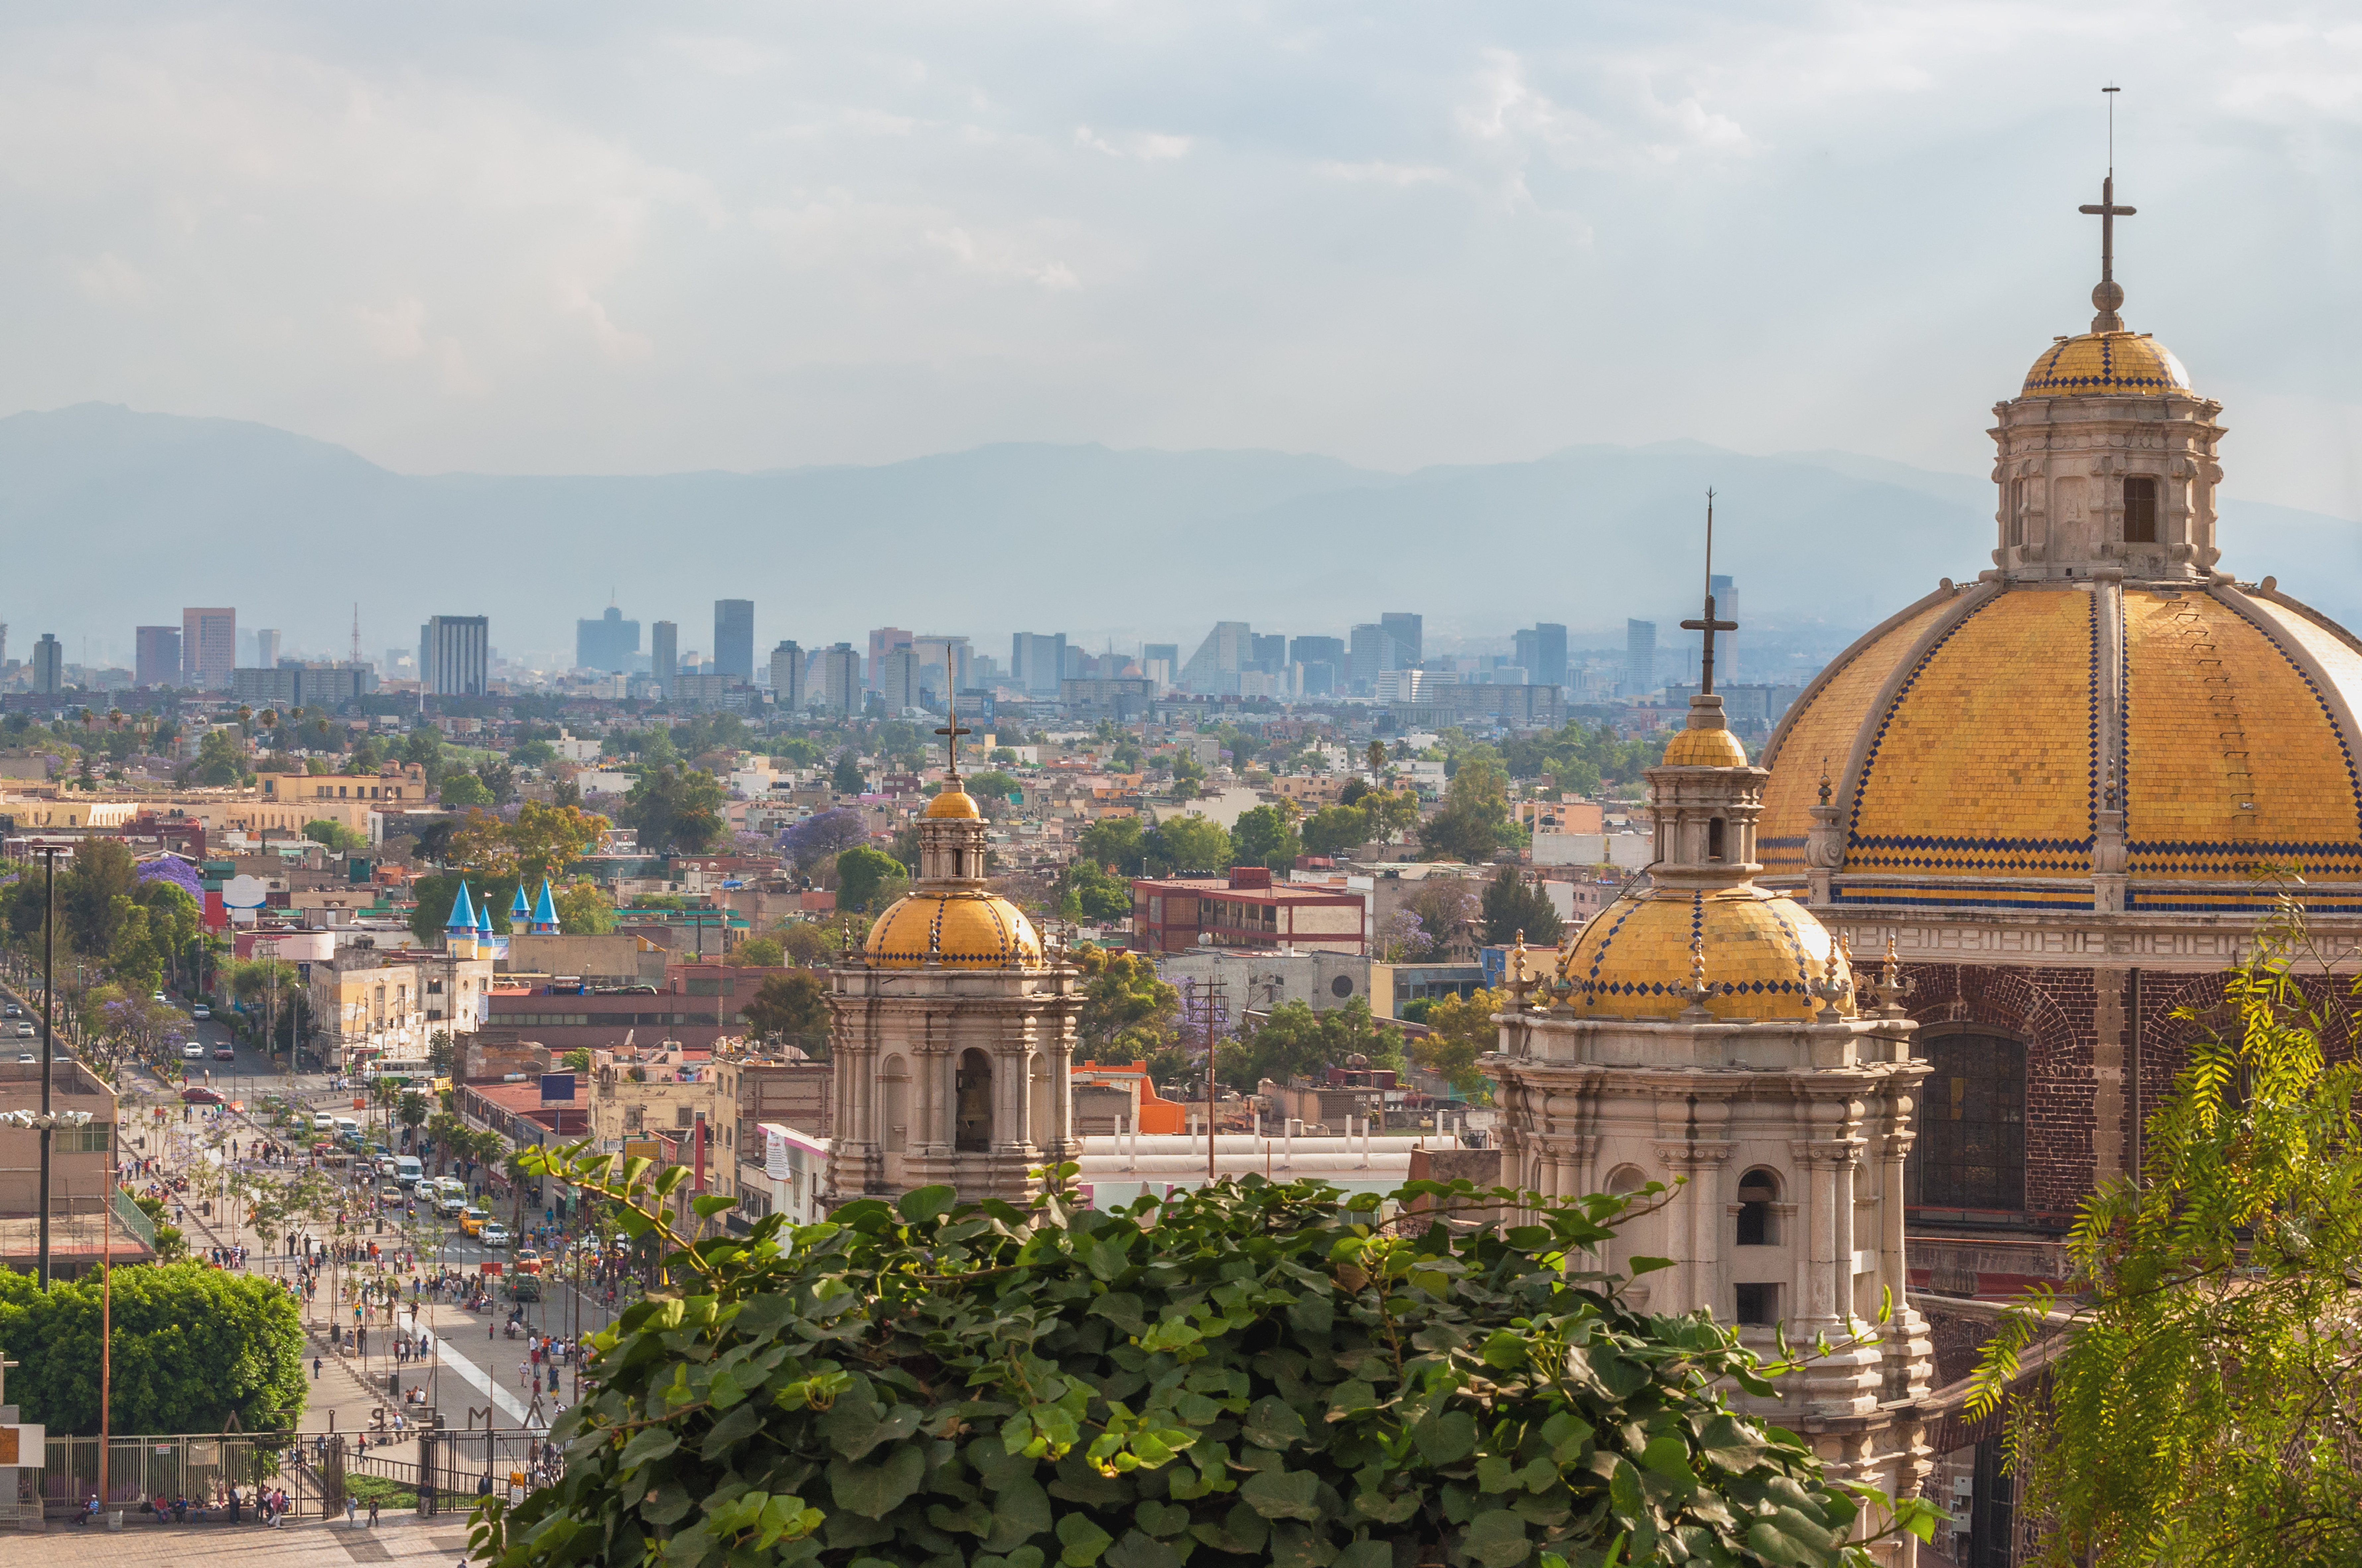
(338, 838)
(1294, 1041)
(867, 878)
(461, 788)
(1265, 1371)
(675, 810)
(1335, 829)
(793, 1006)
(846, 778)
(1266, 837)
(1474, 820)
(220, 759)
(1128, 1014)
(1513, 905)
(1459, 1030)
(1117, 842)
(584, 909)
(1194, 844)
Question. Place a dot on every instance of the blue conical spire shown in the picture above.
(545, 909)
(518, 908)
(484, 921)
(463, 912)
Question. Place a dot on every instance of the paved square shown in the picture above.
(397, 1539)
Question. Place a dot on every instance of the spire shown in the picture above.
(1708, 625)
(545, 910)
(951, 730)
(2108, 296)
(518, 908)
(463, 912)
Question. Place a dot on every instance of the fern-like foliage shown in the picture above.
(2207, 1406)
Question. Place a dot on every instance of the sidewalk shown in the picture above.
(398, 1537)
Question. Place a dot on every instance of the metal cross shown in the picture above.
(2107, 212)
(1709, 625)
(951, 733)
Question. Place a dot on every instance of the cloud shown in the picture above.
(1148, 146)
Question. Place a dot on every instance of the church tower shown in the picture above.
(1706, 1033)
(953, 1030)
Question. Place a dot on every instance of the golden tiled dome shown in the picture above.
(960, 929)
(1763, 955)
(953, 802)
(2106, 364)
(1716, 748)
(1987, 752)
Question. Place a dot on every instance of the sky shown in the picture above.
(587, 237)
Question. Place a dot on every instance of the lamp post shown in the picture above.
(49, 1049)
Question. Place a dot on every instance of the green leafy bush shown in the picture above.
(1250, 1371)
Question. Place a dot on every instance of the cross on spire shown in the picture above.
(2108, 295)
(951, 732)
(1708, 624)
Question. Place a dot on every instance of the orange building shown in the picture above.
(1098, 1085)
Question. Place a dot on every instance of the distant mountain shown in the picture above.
(112, 518)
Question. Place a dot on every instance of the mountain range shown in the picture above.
(114, 518)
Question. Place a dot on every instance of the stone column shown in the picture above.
(2107, 1073)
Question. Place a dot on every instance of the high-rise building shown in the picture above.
(1213, 669)
(788, 677)
(208, 648)
(897, 679)
(734, 640)
(1168, 651)
(1541, 652)
(1037, 662)
(1371, 653)
(664, 654)
(840, 679)
(156, 656)
(1409, 631)
(607, 643)
(1316, 650)
(266, 648)
(48, 665)
(458, 654)
(946, 665)
(1639, 657)
(1270, 653)
(1725, 644)
(882, 641)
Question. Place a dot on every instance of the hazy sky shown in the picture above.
(623, 238)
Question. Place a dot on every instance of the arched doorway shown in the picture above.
(972, 1132)
(1970, 1151)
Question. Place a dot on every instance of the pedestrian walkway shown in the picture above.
(483, 1381)
(398, 1537)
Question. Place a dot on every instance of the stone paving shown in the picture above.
(398, 1537)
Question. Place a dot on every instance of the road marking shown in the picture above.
(479, 1379)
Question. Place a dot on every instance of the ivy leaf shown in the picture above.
(1106, 1260)
(1139, 1550)
(1021, 1510)
(1505, 1351)
(1641, 1265)
(1669, 1456)
(1120, 1307)
(968, 1519)
(1788, 1537)
(854, 1427)
(1497, 1539)
(1350, 1398)
(1241, 1532)
(1366, 1554)
(1446, 1438)
(1725, 1444)
(1283, 1494)
(1273, 1424)
(1386, 1507)
(648, 1444)
(876, 1489)
(1160, 1518)
(925, 1203)
(1083, 1541)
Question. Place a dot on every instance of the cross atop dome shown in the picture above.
(951, 732)
(1709, 625)
(2108, 295)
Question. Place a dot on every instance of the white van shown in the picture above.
(407, 1169)
(347, 1128)
(324, 1122)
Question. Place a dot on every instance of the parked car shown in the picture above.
(224, 1053)
(27, 1055)
(323, 1123)
(158, 997)
(201, 1011)
(497, 1235)
(193, 1052)
(196, 1094)
(528, 1261)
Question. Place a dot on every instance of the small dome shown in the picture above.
(953, 802)
(962, 929)
(2106, 364)
(1763, 954)
(1716, 748)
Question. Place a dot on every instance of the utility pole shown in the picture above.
(49, 1047)
(1212, 996)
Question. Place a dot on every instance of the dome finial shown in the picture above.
(2109, 294)
(1708, 625)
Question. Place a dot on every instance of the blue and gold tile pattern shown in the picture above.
(1763, 954)
(2106, 364)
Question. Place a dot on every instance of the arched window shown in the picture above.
(1971, 1152)
(1757, 1191)
(972, 1130)
(894, 1080)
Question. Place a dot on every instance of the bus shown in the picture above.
(401, 1070)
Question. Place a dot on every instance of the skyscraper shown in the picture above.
(1269, 653)
(883, 641)
(156, 656)
(946, 665)
(266, 648)
(1316, 651)
(840, 679)
(1371, 653)
(48, 665)
(1541, 650)
(607, 643)
(734, 640)
(788, 677)
(1639, 657)
(897, 679)
(1409, 633)
(1037, 662)
(208, 648)
(1725, 644)
(1213, 669)
(664, 654)
(458, 654)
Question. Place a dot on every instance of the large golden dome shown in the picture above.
(1763, 954)
(1977, 747)
(959, 929)
(953, 802)
(2106, 364)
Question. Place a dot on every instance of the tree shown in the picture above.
(1459, 1029)
(1086, 892)
(1189, 776)
(1513, 905)
(459, 788)
(1117, 843)
(220, 759)
(868, 879)
(576, 1060)
(995, 791)
(410, 1109)
(1294, 1041)
(822, 834)
(192, 1347)
(94, 893)
(547, 840)
(338, 838)
(584, 909)
(499, 778)
(792, 1005)
(442, 1052)
(803, 943)
(1195, 844)
(1374, 758)
(675, 809)
(1035, 1378)
(1264, 837)
(1335, 828)
(759, 952)
(1443, 904)
(1128, 1014)
(2201, 1409)
(846, 778)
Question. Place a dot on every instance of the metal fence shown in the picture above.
(201, 1467)
(457, 1467)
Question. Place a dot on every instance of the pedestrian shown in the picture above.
(352, 1507)
(316, 1369)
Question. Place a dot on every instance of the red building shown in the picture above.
(1243, 908)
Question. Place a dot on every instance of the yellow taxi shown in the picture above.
(473, 1219)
